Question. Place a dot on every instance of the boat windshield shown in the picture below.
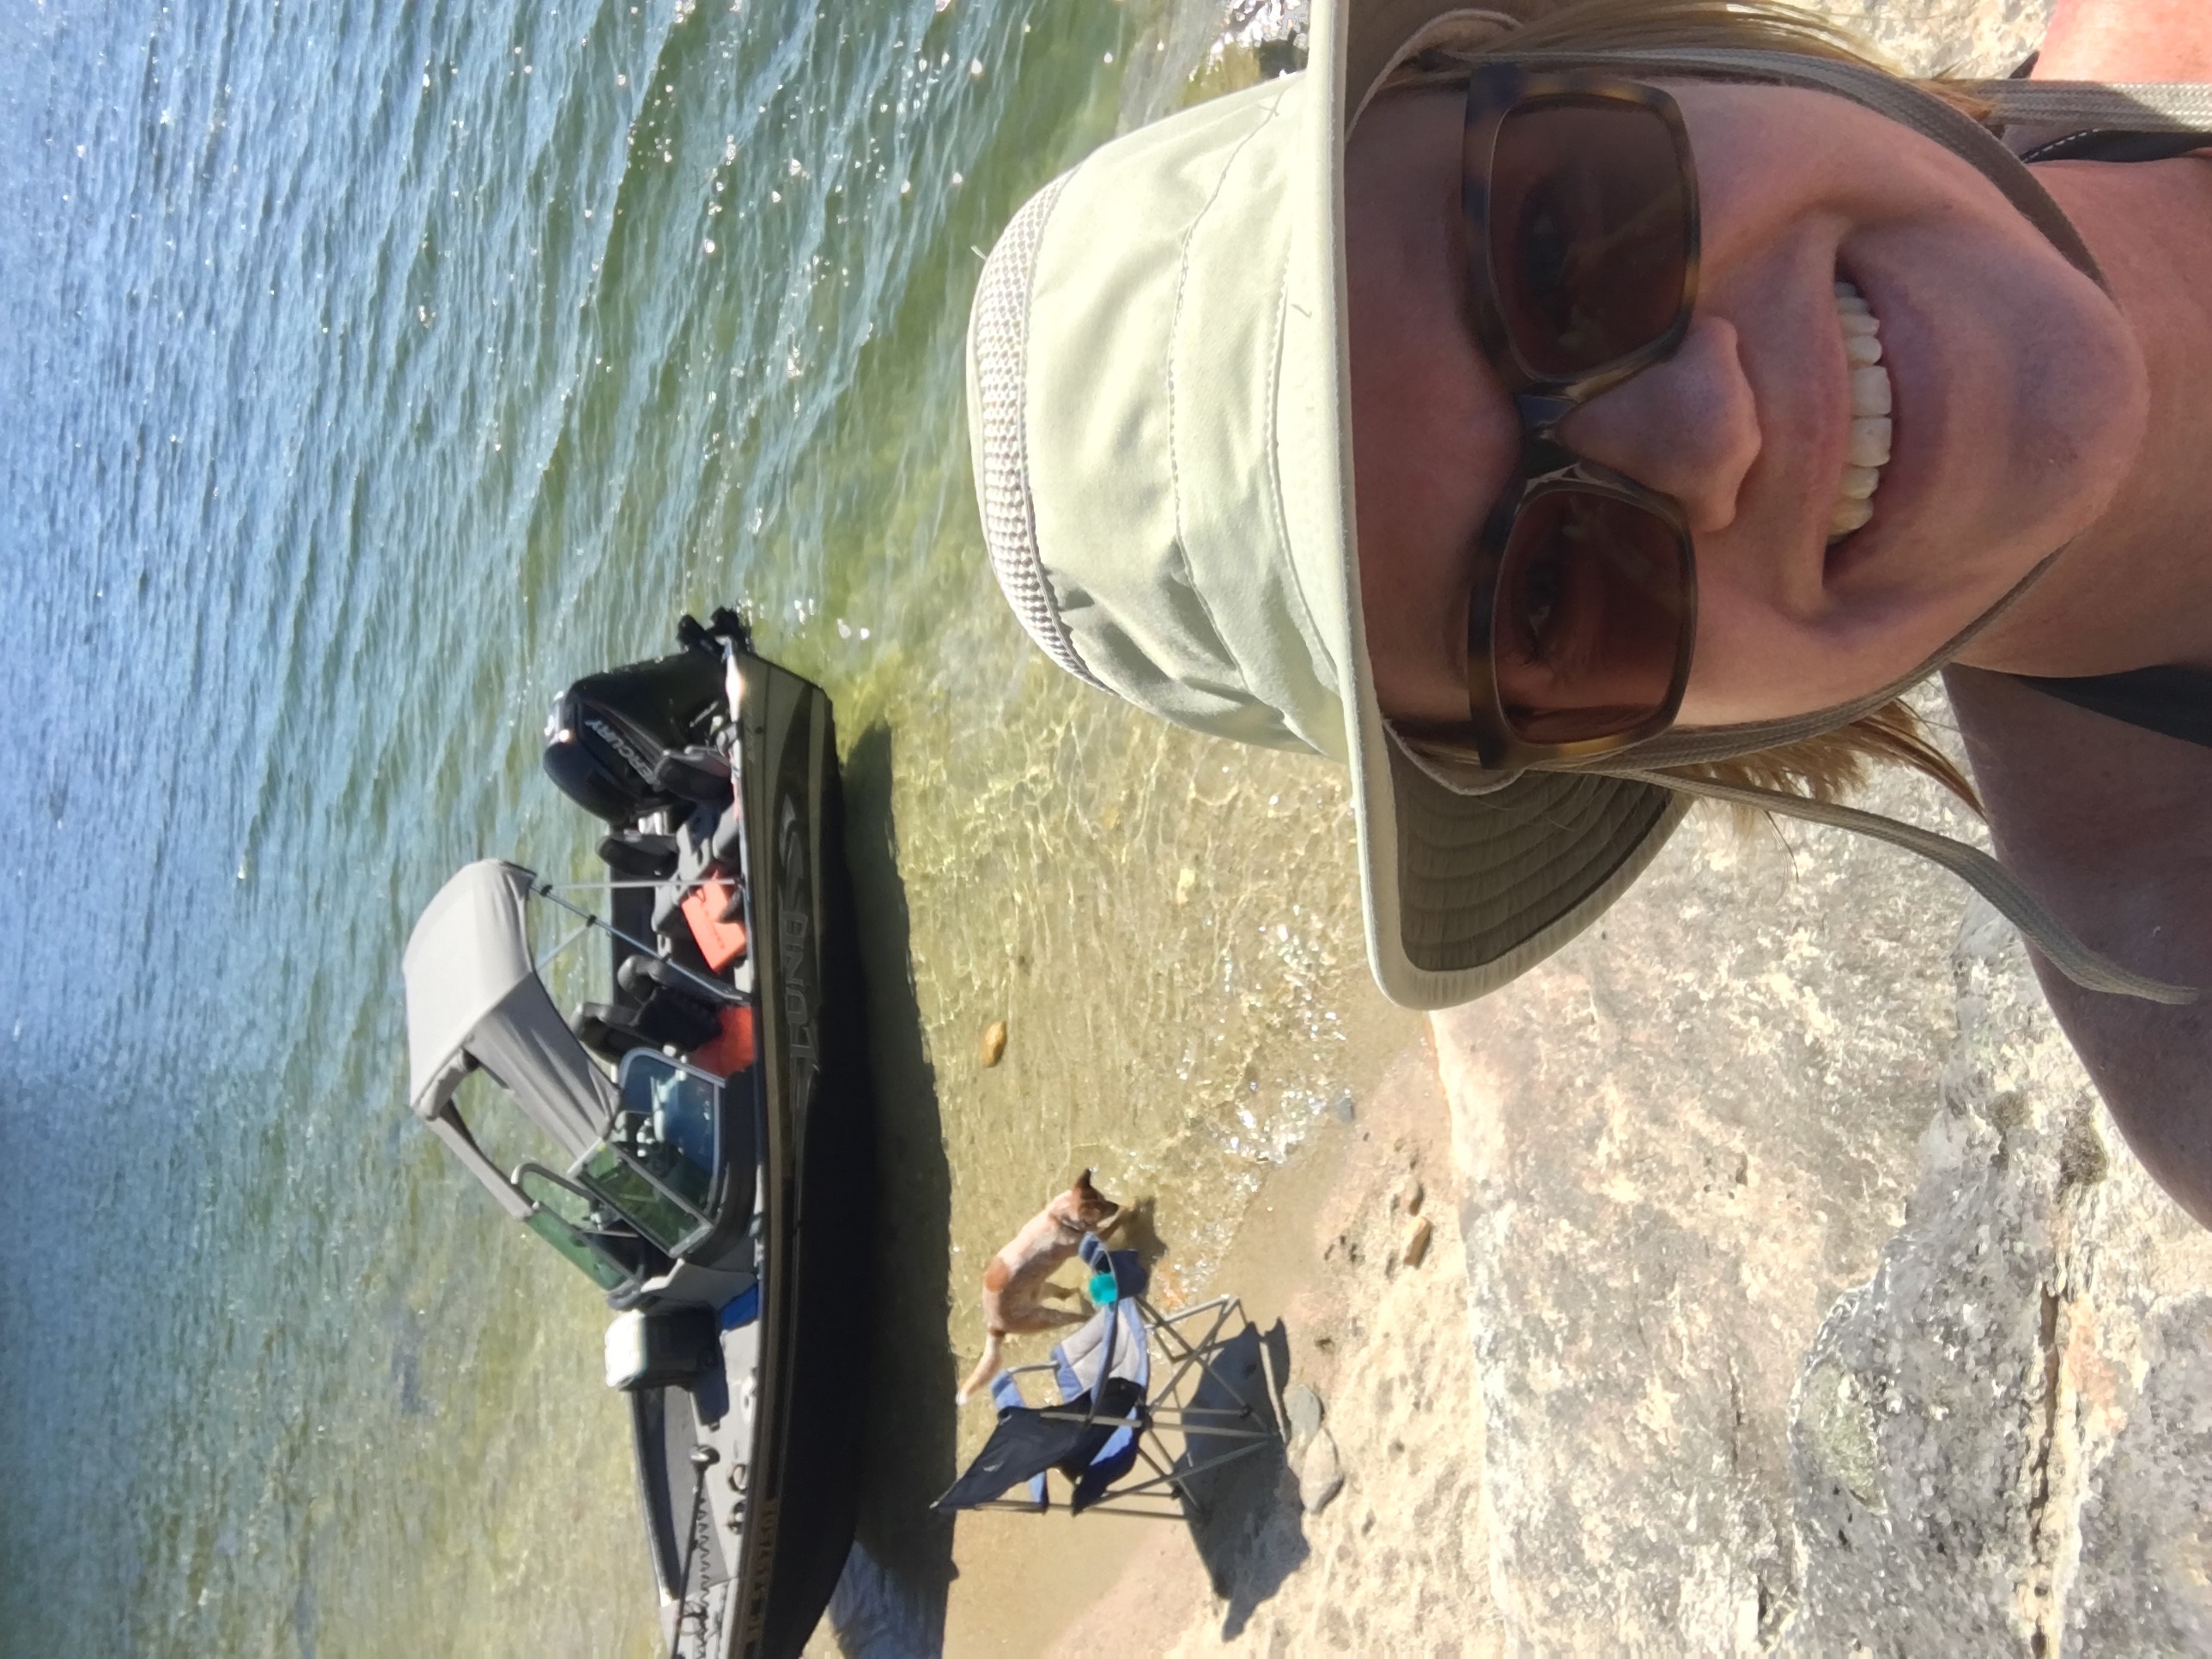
(678, 1109)
(577, 1225)
(656, 1165)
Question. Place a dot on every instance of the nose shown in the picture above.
(1688, 428)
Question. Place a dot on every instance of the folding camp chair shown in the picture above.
(1112, 1413)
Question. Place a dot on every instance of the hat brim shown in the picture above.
(1462, 892)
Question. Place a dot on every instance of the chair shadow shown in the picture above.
(1244, 1516)
(892, 1599)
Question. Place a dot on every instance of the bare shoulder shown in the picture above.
(2127, 40)
(2112, 826)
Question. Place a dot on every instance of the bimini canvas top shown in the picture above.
(473, 994)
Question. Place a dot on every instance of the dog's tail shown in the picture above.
(986, 1369)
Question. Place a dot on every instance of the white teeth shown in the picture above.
(1868, 436)
(1869, 444)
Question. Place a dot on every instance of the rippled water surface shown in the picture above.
(370, 370)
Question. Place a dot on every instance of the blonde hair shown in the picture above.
(1832, 764)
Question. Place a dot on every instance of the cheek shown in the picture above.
(1753, 666)
(1754, 662)
(1432, 443)
(1766, 156)
(1411, 602)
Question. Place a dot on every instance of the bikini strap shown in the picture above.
(2093, 121)
(2118, 106)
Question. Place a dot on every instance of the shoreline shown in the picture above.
(1389, 1348)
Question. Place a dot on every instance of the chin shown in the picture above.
(2080, 431)
(2027, 447)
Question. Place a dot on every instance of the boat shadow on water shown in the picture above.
(892, 1600)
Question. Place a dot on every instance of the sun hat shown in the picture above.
(1157, 374)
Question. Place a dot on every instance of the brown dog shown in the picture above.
(1015, 1280)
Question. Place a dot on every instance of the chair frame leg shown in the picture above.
(1166, 1414)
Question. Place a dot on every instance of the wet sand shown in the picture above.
(1396, 1563)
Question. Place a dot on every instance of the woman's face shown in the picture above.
(2018, 399)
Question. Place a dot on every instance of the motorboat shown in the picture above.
(705, 1124)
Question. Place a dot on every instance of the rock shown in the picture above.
(1321, 1476)
(1416, 1243)
(1410, 1198)
(1303, 1408)
(994, 1046)
(1815, 1303)
(1186, 881)
(1311, 1452)
(1342, 1106)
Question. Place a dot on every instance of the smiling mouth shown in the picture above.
(1867, 449)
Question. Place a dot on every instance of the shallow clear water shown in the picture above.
(371, 370)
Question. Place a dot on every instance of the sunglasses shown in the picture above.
(1580, 225)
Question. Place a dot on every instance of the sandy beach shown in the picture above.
(1395, 1563)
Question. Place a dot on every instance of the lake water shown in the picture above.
(370, 370)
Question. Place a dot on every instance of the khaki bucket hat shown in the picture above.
(1157, 375)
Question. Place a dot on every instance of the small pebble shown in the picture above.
(1417, 1242)
(1304, 1408)
(1321, 1476)
(993, 1047)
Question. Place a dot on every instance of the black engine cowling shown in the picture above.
(616, 742)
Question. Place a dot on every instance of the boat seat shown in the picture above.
(695, 773)
(641, 974)
(725, 843)
(635, 855)
(708, 837)
(666, 1019)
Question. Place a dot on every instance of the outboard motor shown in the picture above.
(635, 740)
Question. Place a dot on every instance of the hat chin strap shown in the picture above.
(2085, 967)
(1675, 749)
(1698, 746)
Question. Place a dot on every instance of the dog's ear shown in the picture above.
(1083, 1183)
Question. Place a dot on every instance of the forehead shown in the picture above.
(1433, 435)
(1424, 400)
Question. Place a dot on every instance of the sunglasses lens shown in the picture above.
(1593, 605)
(1590, 233)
